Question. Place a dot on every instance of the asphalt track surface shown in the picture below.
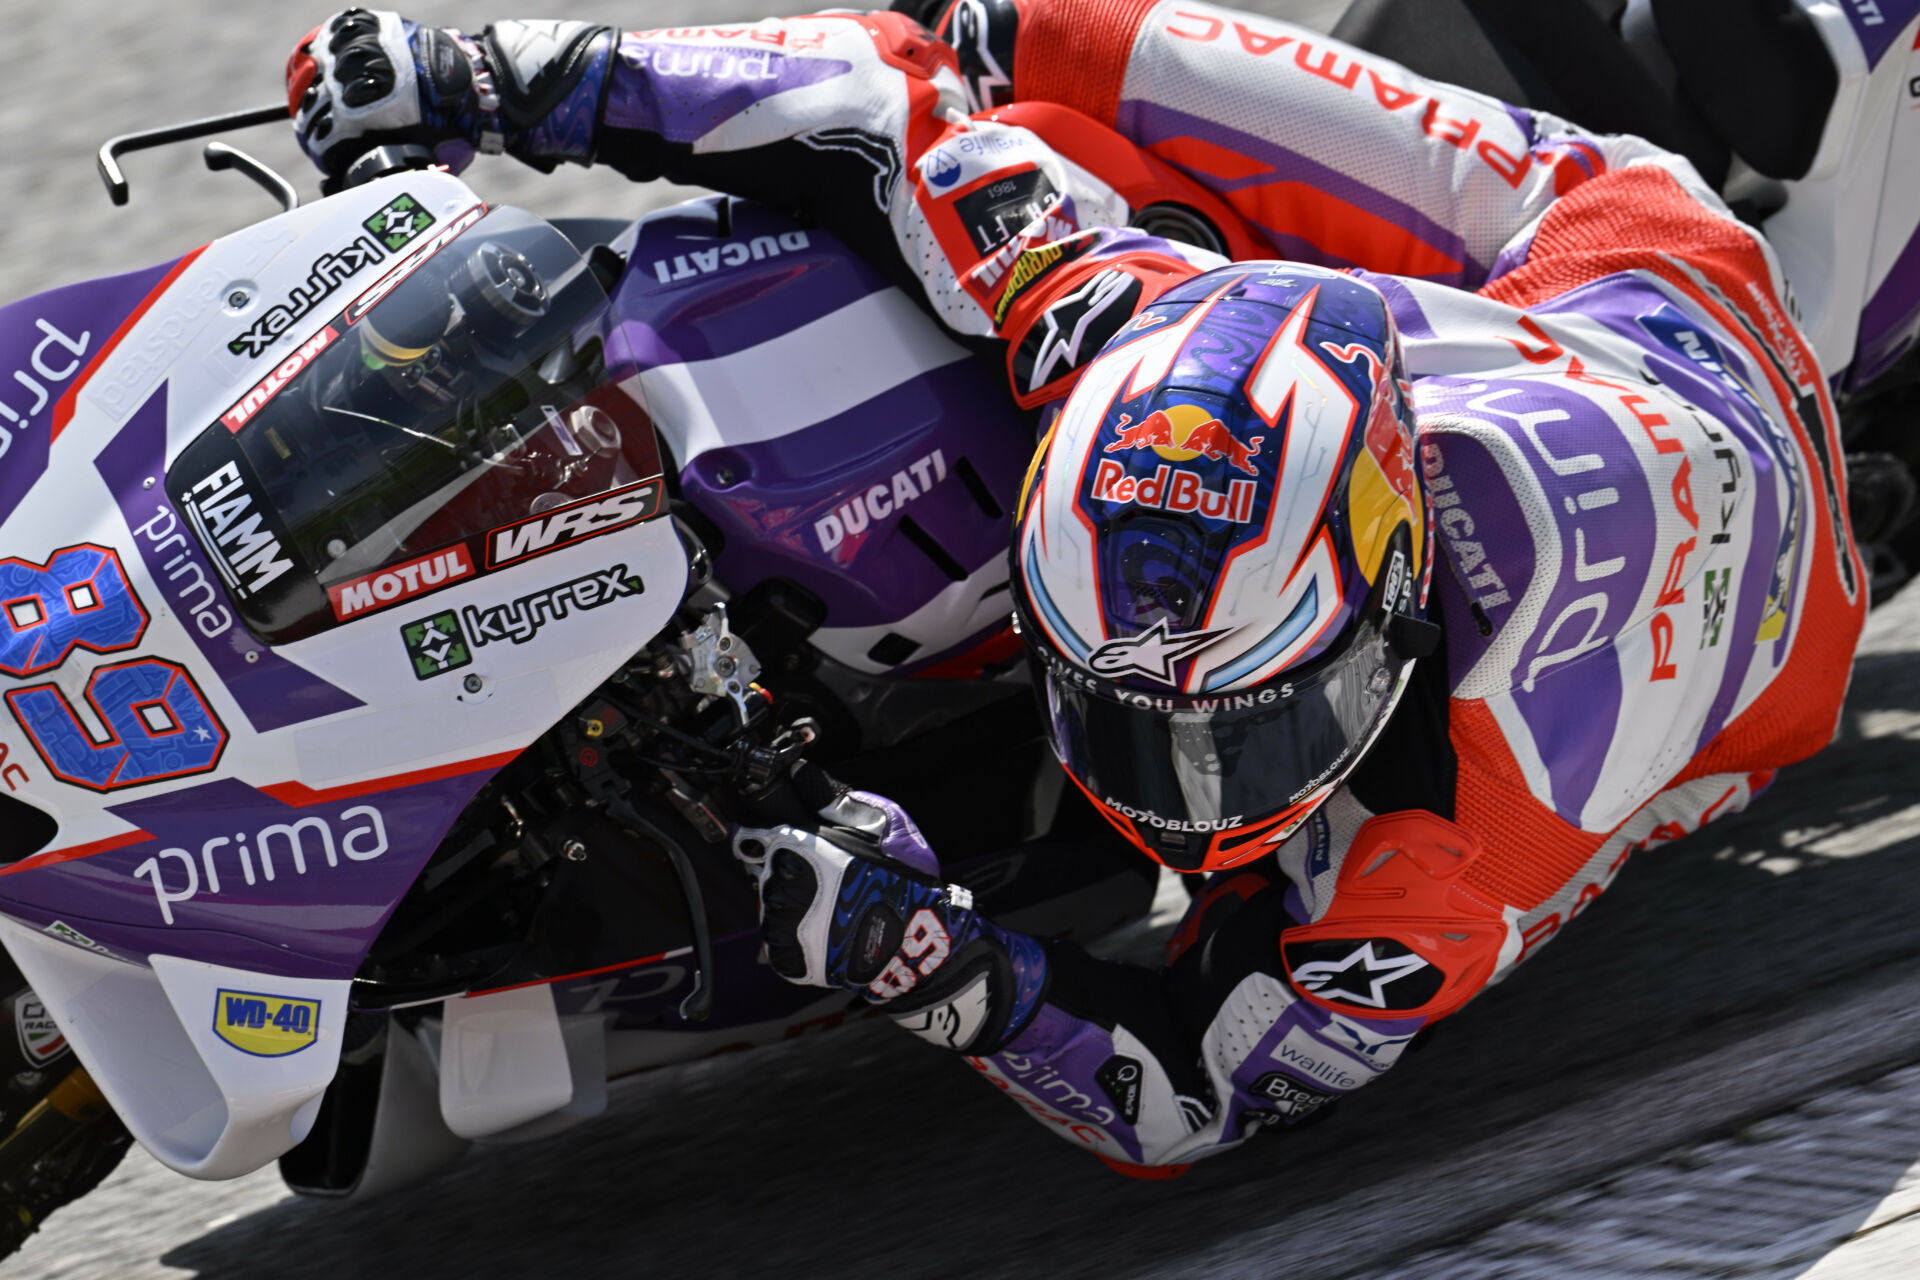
(1729, 977)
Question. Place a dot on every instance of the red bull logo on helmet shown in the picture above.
(1182, 432)
(1175, 489)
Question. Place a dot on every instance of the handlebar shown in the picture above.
(145, 139)
(376, 163)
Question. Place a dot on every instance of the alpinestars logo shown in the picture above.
(521, 620)
(328, 273)
(245, 550)
(1153, 652)
(1362, 975)
(1074, 328)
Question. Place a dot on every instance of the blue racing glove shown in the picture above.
(857, 903)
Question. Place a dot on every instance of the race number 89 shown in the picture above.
(155, 721)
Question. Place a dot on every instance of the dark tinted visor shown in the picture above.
(1196, 764)
(478, 392)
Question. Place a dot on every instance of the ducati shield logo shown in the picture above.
(41, 1040)
(263, 1025)
(1153, 652)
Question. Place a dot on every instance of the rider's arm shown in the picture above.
(1337, 156)
(859, 120)
(856, 120)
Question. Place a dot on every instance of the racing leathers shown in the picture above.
(1646, 582)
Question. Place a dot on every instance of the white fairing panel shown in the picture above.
(1832, 236)
(503, 1061)
(174, 1048)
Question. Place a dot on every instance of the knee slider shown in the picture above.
(1403, 937)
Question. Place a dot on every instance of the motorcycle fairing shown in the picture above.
(198, 1103)
(834, 433)
(1848, 237)
(234, 817)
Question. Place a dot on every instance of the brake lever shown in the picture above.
(108, 157)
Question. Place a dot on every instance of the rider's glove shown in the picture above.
(368, 78)
(856, 903)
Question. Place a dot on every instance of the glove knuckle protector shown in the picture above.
(354, 75)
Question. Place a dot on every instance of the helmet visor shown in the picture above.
(1189, 765)
(476, 393)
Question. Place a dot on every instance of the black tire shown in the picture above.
(72, 1168)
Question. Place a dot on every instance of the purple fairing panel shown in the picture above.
(46, 341)
(233, 875)
(1878, 23)
(827, 504)
(271, 691)
(1890, 323)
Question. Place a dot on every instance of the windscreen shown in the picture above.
(422, 434)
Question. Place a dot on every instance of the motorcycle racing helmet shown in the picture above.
(1222, 559)
(474, 387)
